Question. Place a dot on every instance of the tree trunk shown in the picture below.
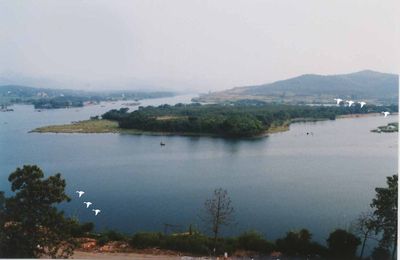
(216, 228)
(394, 249)
(215, 241)
(363, 246)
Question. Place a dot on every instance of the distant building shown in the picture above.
(42, 94)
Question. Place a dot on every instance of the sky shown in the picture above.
(192, 45)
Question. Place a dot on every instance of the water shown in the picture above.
(283, 182)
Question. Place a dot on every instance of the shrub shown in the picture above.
(195, 244)
(110, 235)
(146, 239)
(115, 236)
(254, 241)
(380, 253)
(343, 244)
(102, 240)
(79, 230)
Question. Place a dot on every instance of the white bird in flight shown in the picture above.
(338, 100)
(362, 103)
(96, 211)
(88, 203)
(350, 102)
(386, 113)
(80, 193)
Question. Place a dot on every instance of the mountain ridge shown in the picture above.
(370, 85)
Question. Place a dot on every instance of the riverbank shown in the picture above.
(360, 115)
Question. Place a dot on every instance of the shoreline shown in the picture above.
(103, 126)
(360, 115)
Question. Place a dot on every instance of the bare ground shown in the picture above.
(122, 256)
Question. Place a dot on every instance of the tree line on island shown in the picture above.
(32, 226)
(245, 118)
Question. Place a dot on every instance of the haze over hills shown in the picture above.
(29, 91)
(57, 98)
(88, 84)
(371, 86)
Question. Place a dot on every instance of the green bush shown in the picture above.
(79, 230)
(380, 253)
(254, 241)
(146, 239)
(297, 243)
(110, 235)
(115, 236)
(102, 240)
(195, 244)
(342, 244)
(228, 245)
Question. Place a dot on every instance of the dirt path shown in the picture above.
(126, 256)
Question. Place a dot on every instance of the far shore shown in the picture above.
(99, 126)
(361, 115)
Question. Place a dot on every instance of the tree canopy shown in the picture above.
(238, 119)
(385, 209)
(342, 244)
(31, 224)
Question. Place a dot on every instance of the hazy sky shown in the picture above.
(187, 44)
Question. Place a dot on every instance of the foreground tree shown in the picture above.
(364, 227)
(342, 244)
(218, 212)
(385, 210)
(2, 222)
(32, 225)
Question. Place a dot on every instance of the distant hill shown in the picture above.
(367, 85)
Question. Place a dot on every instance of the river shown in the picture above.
(282, 182)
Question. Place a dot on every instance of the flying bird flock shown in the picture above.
(88, 203)
(351, 102)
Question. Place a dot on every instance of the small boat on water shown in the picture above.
(162, 143)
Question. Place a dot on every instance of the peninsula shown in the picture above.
(235, 120)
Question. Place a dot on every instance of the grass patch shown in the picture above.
(276, 128)
(87, 126)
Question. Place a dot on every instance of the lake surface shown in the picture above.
(279, 183)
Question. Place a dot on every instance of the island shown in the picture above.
(236, 119)
(4, 108)
(389, 128)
